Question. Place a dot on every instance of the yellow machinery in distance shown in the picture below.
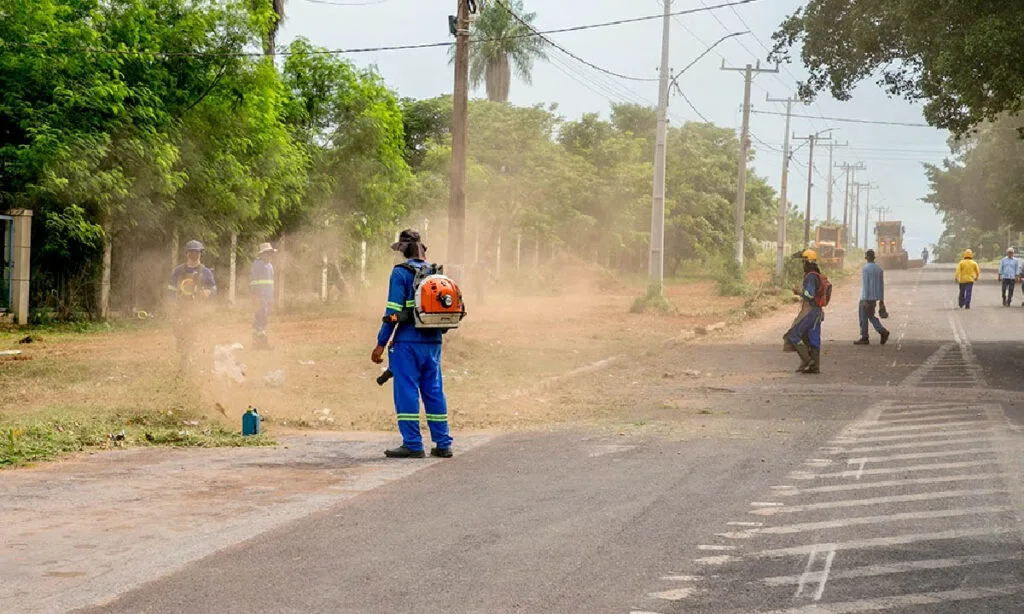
(828, 242)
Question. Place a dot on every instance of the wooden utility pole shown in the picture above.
(811, 139)
(783, 195)
(656, 268)
(460, 129)
(741, 191)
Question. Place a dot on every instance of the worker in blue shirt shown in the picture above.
(872, 295)
(805, 334)
(191, 286)
(414, 359)
(1009, 272)
(261, 288)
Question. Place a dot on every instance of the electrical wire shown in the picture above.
(572, 55)
(849, 120)
(338, 3)
(143, 52)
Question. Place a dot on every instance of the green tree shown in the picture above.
(501, 44)
(962, 58)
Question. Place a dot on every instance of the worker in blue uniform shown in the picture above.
(414, 359)
(805, 334)
(190, 287)
(261, 288)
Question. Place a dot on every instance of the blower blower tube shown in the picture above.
(384, 377)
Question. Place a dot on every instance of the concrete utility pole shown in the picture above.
(741, 193)
(867, 187)
(848, 169)
(810, 180)
(780, 249)
(831, 183)
(460, 125)
(656, 269)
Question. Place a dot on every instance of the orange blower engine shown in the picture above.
(437, 299)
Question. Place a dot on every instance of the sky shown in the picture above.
(893, 155)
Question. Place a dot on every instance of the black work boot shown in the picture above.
(805, 358)
(441, 452)
(815, 366)
(404, 452)
(864, 341)
(885, 336)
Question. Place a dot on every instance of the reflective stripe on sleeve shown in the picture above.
(262, 282)
(394, 306)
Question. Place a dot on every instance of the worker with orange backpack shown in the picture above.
(422, 305)
(805, 334)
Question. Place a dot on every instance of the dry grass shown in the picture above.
(494, 366)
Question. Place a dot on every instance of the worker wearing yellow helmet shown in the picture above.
(805, 334)
(967, 272)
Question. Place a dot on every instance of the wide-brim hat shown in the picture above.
(406, 237)
(266, 247)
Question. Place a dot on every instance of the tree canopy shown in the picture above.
(961, 58)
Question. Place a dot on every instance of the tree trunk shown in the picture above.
(233, 271)
(497, 259)
(105, 275)
(280, 274)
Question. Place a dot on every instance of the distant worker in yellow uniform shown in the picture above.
(967, 272)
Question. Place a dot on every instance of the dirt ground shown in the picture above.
(319, 375)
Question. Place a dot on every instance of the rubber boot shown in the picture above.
(815, 365)
(805, 358)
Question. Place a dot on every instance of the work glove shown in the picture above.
(882, 311)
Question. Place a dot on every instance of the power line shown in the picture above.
(337, 3)
(147, 53)
(849, 120)
(572, 55)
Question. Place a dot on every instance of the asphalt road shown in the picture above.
(892, 482)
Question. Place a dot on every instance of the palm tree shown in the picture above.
(500, 43)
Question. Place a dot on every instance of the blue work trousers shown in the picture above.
(259, 321)
(965, 294)
(867, 315)
(808, 326)
(417, 371)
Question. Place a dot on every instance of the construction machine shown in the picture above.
(890, 253)
(828, 242)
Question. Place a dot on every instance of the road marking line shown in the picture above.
(714, 548)
(917, 427)
(676, 594)
(828, 505)
(840, 441)
(920, 444)
(860, 469)
(807, 573)
(824, 574)
(870, 571)
(745, 524)
(889, 470)
(818, 462)
(883, 542)
(682, 578)
(976, 477)
(766, 504)
(717, 560)
(904, 601)
(929, 418)
(920, 455)
(866, 520)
